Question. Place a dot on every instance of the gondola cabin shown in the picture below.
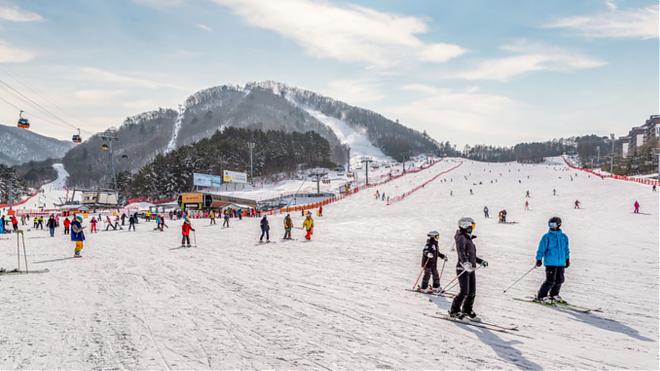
(23, 123)
(76, 138)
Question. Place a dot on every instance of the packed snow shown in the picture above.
(138, 301)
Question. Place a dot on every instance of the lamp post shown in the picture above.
(251, 146)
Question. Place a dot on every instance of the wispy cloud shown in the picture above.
(638, 23)
(11, 54)
(16, 14)
(93, 96)
(159, 4)
(101, 75)
(530, 57)
(204, 27)
(347, 33)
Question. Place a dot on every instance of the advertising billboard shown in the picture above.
(233, 177)
(206, 180)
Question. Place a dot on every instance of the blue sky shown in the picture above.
(495, 72)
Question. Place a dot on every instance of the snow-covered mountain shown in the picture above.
(18, 146)
(264, 105)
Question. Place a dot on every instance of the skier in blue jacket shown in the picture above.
(553, 251)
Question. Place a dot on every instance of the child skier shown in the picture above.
(185, 232)
(465, 267)
(77, 235)
(553, 251)
(308, 224)
(430, 255)
(225, 223)
(636, 206)
(92, 223)
(265, 228)
(288, 225)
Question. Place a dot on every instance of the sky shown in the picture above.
(469, 72)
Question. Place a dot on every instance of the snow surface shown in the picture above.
(136, 301)
(171, 146)
(51, 193)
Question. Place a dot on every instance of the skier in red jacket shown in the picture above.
(185, 232)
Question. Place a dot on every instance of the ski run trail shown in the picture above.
(138, 301)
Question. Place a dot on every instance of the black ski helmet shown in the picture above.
(554, 222)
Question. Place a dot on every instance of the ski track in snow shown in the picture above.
(171, 146)
(135, 301)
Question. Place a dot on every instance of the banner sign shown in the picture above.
(233, 177)
(206, 180)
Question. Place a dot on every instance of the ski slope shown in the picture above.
(137, 301)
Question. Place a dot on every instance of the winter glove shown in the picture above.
(484, 263)
(467, 266)
(539, 263)
(429, 255)
(568, 263)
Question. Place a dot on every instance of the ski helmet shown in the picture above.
(433, 234)
(79, 219)
(466, 224)
(554, 222)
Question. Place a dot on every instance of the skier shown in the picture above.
(212, 217)
(654, 188)
(288, 225)
(225, 223)
(430, 255)
(320, 211)
(308, 224)
(77, 235)
(486, 212)
(636, 205)
(471, 193)
(186, 227)
(577, 204)
(92, 224)
(554, 192)
(527, 194)
(465, 266)
(67, 224)
(131, 222)
(51, 225)
(526, 205)
(14, 223)
(502, 216)
(265, 228)
(553, 251)
(108, 223)
(123, 219)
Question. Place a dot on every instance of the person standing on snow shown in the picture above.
(486, 215)
(131, 222)
(67, 224)
(212, 217)
(553, 251)
(92, 224)
(265, 229)
(430, 255)
(462, 306)
(577, 204)
(288, 225)
(186, 227)
(225, 223)
(308, 224)
(636, 205)
(77, 235)
(51, 224)
(526, 205)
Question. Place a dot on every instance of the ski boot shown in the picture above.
(558, 299)
(545, 300)
(429, 290)
(471, 315)
(456, 315)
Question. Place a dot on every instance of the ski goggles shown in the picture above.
(553, 225)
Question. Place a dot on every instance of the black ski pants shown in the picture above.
(266, 233)
(287, 233)
(131, 225)
(226, 223)
(185, 239)
(428, 272)
(554, 277)
(465, 298)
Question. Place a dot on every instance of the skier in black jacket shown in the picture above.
(430, 256)
(265, 228)
(465, 267)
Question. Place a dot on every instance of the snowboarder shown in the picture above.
(67, 224)
(308, 224)
(77, 235)
(553, 251)
(430, 255)
(577, 204)
(636, 205)
(51, 224)
(465, 270)
(288, 225)
(486, 212)
(186, 227)
(265, 229)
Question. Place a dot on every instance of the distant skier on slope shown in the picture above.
(212, 217)
(502, 216)
(462, 306)
(67, 225)
(486, 215)
(225, 223)
(577, 204)
(526, 205)
(553, 251)
(77, 235)
(430, 255)
(636, 206)
(288, 225)
(308, 224)
(527, 194)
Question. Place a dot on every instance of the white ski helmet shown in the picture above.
(465, 223)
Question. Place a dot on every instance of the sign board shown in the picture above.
(206, 180)
(233, 177)
(191, 198)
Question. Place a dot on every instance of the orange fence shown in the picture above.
(417, 188)
(613, 176)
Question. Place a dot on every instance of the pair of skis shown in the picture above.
(446, 294)
(475, 323)
(560, 304)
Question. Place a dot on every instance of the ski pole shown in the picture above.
(523, 276)
(442, 269)
(24, 252)
(455, 282)
(420, 274)
(195, 238)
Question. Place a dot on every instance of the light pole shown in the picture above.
(251, 146)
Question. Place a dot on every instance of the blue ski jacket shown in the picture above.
(553, 249)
